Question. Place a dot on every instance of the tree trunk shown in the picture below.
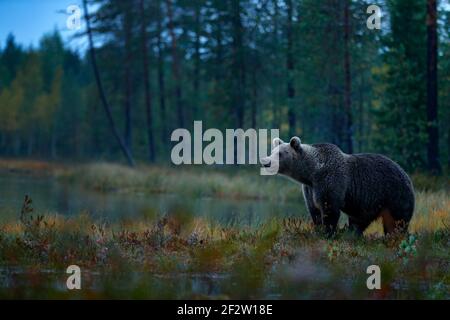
(175, 66)
(161, 78)
(105, 104)
(348, 80)
(147, 90)
(127, 75)
(290, 69)
(197, 57)
(432, 90)
(276, 77)
(218, 68)
(30, 145)
(361, 113)
(238, 64)
(254, 99)
(53, 140)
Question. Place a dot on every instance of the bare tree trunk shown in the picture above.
(127, 76)
(276, 95)
(53, 141)
(254, 99)
(175, 66)
(290, 69)
(238, 64)
(147, 90)
(348, 80)
(361, 113)
(219, 52)
(30, 145)
(116, 134)
(197, 57)
(161, 78)
(432, 90)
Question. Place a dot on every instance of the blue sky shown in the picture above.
(28, 20)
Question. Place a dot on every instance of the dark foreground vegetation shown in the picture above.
(308, 68)
(180, 255)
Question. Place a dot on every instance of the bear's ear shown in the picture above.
(296, 143)
(276, 142)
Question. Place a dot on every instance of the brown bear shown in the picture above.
(364, 186)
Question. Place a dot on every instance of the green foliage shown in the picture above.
(408, 248)
(401, 125)
(232, 58)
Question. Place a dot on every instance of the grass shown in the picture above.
(182, 256)
(204, 181)
(196, 182)
(169, 257)
(432, 213)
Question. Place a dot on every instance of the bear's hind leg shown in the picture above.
(388, 221)
(391, 225)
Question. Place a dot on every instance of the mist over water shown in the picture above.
(52, 196)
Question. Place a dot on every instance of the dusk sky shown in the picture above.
(28, 20)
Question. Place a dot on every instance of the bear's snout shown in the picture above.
(265, 162)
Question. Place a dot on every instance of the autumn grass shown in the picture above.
(179, 255)
(198, 182)
(166, 257)
(34, 167)
(432, 213)
(239, 183)
(432, 193)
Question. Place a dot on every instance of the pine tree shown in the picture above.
(401, 118)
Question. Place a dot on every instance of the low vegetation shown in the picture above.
(245, 183)
(179, 255)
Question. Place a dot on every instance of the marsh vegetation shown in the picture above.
(173, 250)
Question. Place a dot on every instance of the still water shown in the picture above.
(51, 196)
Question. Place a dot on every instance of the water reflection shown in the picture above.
(53, 196)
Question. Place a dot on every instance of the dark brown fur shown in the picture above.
(364, 186)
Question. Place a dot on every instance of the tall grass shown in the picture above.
(432, 212)
(161, 256)
(204, 181)
(285, 258)
(243, 184)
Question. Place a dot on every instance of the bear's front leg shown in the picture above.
(330, 216)
(315, 213)
(330, 212)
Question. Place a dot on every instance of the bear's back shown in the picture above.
(365, 175)
(380, 180)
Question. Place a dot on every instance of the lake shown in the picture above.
(51, 195)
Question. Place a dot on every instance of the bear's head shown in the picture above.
(284, 156)
(293, 159)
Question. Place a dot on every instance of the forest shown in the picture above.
(310, 68)
(87, 181)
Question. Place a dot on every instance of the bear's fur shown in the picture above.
(364, 186)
